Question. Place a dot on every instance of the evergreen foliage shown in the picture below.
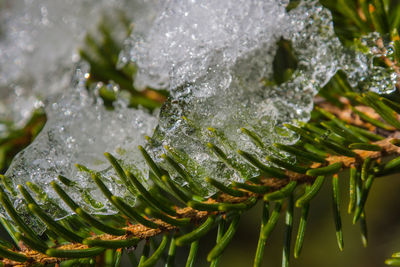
(349, 129)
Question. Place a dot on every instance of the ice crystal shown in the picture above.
(39, 40)
(217, 60)
(79, 130)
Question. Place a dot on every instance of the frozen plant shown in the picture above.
(216, 59)
(79, 130)
(217, 62)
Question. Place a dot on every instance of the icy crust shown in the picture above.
(189, 37)
(79, 130)
(377, 78)
(214, 57)
(38, 46)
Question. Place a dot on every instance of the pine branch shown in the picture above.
(227, 201)
(350, 130)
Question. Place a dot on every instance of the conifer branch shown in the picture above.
(225, 202)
